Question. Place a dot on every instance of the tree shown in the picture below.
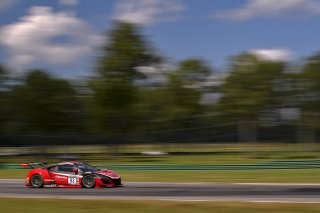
(310, 98)
(174, 106)
(125, 50)
(248, 90)
(194, 70)
(3, 98)
(114, 91)
(182, 103)
(43, 104)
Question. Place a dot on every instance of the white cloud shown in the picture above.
(273, 54)
(6, 3)
(147, 12)
(266, 8)
(47, 37)
(69, 2)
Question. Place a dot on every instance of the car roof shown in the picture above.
(64, 163)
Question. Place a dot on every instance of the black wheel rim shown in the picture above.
(36, 180)
(89, 181)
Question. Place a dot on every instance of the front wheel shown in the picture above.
(88, 181)
(36, 181)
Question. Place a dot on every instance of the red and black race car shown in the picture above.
(70, 175)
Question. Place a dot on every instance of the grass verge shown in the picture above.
(17, 205)
(218, 176)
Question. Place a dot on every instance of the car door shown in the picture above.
(64, 175)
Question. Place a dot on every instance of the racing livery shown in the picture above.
(70, 175)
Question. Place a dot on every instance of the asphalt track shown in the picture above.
(305, 193)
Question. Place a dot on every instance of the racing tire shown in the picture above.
(88, 181)
(36, 181)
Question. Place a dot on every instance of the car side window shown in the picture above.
(53, 169)
(67, 168)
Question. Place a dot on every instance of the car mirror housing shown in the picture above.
(75, 171)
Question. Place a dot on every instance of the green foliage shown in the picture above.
(4, 109)
(43, 104)
(2, 74)
(310, 91)
(193, 70)
(117, 106)
(173, 105)
(125, 50)
(114, 92)
(249, 88)
(181, 102)
(247, 91)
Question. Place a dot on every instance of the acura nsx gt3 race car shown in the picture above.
(70, 175)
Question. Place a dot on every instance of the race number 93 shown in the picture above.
(72, 180)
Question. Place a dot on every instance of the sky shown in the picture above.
(64, 36)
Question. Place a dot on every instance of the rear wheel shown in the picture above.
(36, 181)
(88, 181)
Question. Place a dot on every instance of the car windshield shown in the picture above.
(86, 167)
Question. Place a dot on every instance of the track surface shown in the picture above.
(173, 191)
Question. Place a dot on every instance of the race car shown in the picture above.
(70, 175)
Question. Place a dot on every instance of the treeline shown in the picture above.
(260, 99)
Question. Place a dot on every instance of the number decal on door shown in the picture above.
(72, 180)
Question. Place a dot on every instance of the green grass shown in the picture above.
(163, 159)
(221, 176)
(249, 154)
(13, 174)
(100, 159)
(196, 147)
(228, 153)
(17, 205)
(184, 159)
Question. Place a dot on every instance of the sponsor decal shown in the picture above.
(62, 177)
(51, 185)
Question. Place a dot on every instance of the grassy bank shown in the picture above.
(220, 153)
(196, 159)
(15, 205)
(222, 176)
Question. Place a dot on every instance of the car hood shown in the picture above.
(108, 173)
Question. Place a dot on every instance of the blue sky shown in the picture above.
(62, 36)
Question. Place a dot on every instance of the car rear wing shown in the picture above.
(33, 165)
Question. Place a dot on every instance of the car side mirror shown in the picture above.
(75, 171)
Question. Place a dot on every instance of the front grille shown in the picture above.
(117, 182)
(106, 181)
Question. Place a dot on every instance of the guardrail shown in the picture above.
(279, 164)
